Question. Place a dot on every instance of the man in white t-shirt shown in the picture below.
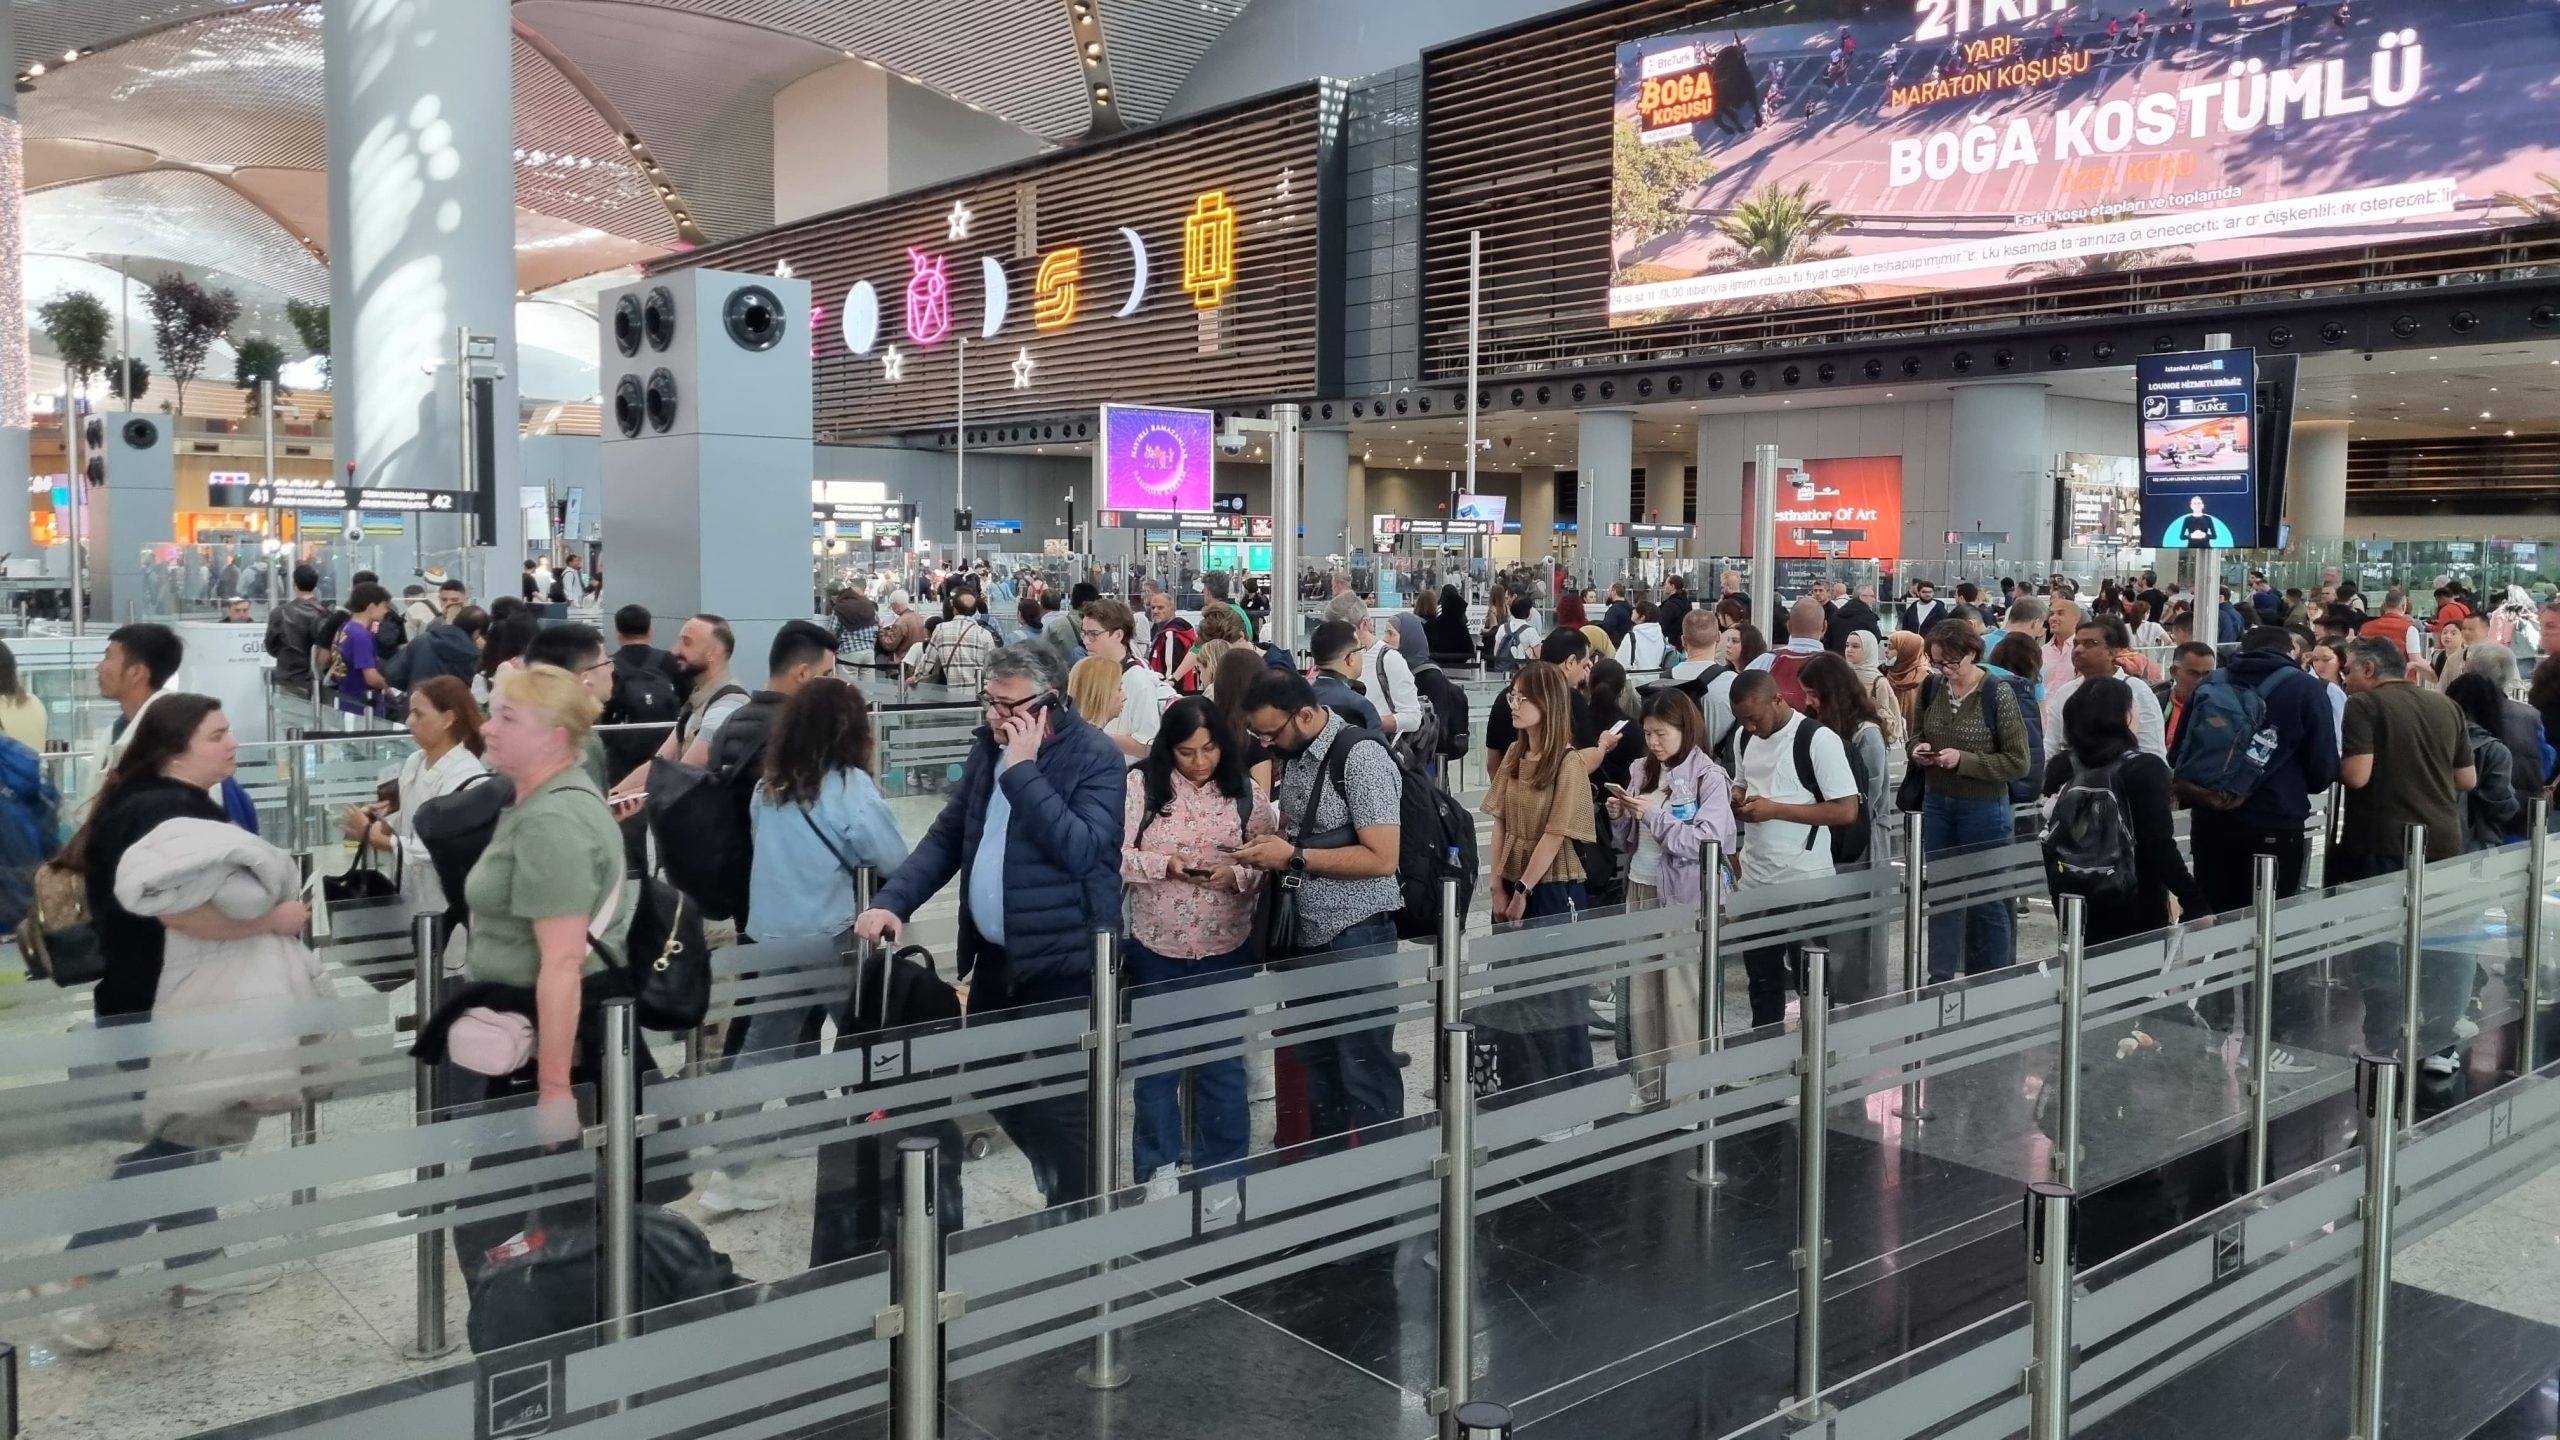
(2093, 654)
(1110, 633)
(1785, 822)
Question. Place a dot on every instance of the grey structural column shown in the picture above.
(1996, 462)
(1666, 487)
(1537, 512)
(15, 537)
(2316, 482)
(421, 116)
(1606, 469)
(1324, 509)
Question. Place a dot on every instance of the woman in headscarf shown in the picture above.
(1864, 652)
(1909, 666)
(1446, 628)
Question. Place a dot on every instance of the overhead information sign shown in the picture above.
(2199, 452)
(321, 495)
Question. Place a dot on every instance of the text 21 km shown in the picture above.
(1946, 19)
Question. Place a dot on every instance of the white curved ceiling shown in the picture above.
(190, 133)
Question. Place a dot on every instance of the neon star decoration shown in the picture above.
(1209, 250)
(928, 298)
(1055, 292)
(1022, 363)
(961, 214)
(893, 366)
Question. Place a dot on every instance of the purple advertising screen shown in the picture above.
(1157, 459)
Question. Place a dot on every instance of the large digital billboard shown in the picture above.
(2199, 457)
(1861, 492)
(1831, 150)
(1156, 459)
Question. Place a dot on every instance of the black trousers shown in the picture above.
(2225, 852)
(1054, 1133)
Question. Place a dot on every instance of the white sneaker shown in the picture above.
(2441, 1063)
(2465, 1028)
(2281, 1061)
(1556, 1136)
(731, 1193)
(1264, 1087)
(1165, 1184)
(1218, 1206)
(77, 1328)
(191, 1295)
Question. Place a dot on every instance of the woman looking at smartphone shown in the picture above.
(1676, 800)
(1191, 921)
(1540, 803)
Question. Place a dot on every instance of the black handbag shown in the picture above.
(456, 826)
(362, 882)
(669, 975)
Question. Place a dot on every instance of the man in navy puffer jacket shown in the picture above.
(1033, 831)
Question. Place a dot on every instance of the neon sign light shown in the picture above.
(1054, 292)
(1209, 250)
(928, 298)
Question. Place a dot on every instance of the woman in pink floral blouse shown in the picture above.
(1191, 915)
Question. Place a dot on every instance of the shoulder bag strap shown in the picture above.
(603, 916)
(825, 839)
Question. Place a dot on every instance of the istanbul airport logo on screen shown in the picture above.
(1854, 151)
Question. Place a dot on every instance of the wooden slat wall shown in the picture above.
(2492, 472)
(1516, 143)
(1267, 325)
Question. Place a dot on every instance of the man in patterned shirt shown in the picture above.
(1337, 848)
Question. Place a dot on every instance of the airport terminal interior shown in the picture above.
(1130, 719)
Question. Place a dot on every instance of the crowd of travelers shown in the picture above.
(1219, 801)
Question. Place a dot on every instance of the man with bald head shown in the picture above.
(1807, 620)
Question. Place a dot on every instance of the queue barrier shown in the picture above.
(1024, 1286)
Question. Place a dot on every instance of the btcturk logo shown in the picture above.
(1059, 290)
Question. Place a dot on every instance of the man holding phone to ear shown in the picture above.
(1034, 831)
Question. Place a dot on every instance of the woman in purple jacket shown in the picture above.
(1676, 800)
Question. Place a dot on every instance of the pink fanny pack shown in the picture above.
(489, 1042)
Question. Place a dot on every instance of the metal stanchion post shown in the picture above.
(2066, 1065)
(1457, 1169)
(1813, 1067)
(2378, 1084)
(1450, 998)
(1103, 1369)
(913, 1326)
(1915, 940)
(2262, 1015)
(1483, 1420)
(2413, 949)
(2537, 876)
(1710, 991)
(306, 1131)
(618, 1173)
(431, 1341)
(297, 793)
(2050, 1250)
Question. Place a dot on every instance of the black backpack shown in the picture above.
(2088, 842)
(541, 1284)
(1696, 687)
(1436, 837)
(1849, 841)
(643, 695)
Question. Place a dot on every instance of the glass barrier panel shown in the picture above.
(1299, 1280)
(311, 1249)
(2475, 1290)
(2257, 1297)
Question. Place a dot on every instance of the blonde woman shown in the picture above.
(542, 884)
(1095, 690)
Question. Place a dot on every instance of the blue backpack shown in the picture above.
(29, 828)
(2225, 743)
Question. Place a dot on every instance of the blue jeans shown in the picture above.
(1352, 1080)
(1218, 1129)
(1978, 937)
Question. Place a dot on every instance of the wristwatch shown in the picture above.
(1297, 861)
